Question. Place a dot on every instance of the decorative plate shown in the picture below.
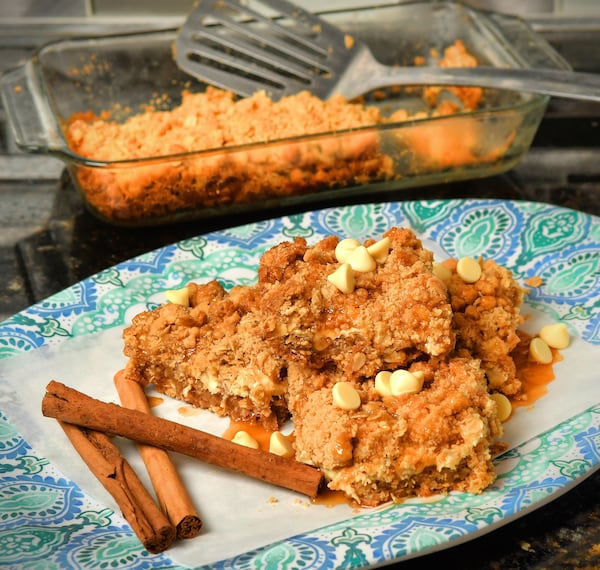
(54, 515)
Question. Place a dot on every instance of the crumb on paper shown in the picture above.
(535, 281)
(301, 503)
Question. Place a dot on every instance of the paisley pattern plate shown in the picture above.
(47, 521)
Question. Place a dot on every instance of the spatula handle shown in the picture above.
(554, 82)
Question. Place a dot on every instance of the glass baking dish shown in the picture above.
(121, 75)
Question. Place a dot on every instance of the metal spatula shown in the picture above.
(280, 48)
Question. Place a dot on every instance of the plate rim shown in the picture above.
(522, 204)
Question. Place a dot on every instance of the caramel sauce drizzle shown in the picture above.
(534, 377)
(259, 433)
(188, 411)
(154, 401)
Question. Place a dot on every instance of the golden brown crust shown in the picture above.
(486, 316)
(431, 442)
(396, 313)
(214, 120)
(210, 354)
(277, 348)
(184, 179)
(456, 55)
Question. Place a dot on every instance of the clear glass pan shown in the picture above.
(121, 74)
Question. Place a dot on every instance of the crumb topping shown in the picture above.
(389, 383)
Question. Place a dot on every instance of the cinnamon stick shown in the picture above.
(116, 475)
(71, 406)
(170, 491)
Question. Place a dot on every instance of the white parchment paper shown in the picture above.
(239, 514)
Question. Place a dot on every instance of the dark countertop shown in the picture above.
(48, 241)
(562, 535)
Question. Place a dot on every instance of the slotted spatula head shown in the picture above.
(269, 45)
(273, 45)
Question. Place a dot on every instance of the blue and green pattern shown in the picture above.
(46, 521)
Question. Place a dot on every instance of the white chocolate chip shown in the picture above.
(442, 272)
(344, 248)
(360, 260)
(468, 269)
(419, 375)
(343, 278)
(503, 406)
(382, 383)
(380, 250)
(279, 444)
(345, 396)
(244, 438)
(405, 382)
(555, 335)
(178, 296)
(540, 351)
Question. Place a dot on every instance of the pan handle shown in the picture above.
(29, 112)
